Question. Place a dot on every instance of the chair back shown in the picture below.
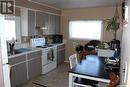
(73, 60)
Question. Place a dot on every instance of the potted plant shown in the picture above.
(113, 25)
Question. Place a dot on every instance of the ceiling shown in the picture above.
(78, 3)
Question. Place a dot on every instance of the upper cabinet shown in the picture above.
(31, 23)
(53, 25)
(57, 29)
(39, 23)
(28, 22)
(41, 19)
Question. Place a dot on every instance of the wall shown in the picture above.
(95, 13)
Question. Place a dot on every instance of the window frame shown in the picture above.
(69, 37)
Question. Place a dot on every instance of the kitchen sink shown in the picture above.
(21, 50)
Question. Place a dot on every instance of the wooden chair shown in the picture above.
(114, 80)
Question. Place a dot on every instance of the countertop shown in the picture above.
(33, 49)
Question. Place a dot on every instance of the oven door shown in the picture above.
(50, 55)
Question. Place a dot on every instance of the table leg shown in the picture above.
(70, 80)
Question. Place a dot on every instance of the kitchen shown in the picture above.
(39, 53)
(41, 22)
(26, 58)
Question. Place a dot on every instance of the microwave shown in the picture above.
(57, 38)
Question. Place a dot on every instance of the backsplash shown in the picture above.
(21, 45)
(25, 39)
(56, 38)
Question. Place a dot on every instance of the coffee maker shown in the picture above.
(115, 44)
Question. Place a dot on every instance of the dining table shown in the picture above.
(91, 67)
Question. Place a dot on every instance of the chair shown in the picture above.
(79, 49)
(78, 82)
(89, 49)
(73, 60)
(114, 80)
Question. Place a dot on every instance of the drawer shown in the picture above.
(17, 59)
(35, 54)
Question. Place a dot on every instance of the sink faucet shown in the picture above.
(11, 47)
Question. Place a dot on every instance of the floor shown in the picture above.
(56, 78)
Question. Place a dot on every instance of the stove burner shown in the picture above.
(45, 46)
(49, 45)
(41, 46)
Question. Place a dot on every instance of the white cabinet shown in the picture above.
(28, 22)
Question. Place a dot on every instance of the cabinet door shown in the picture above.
(18, 74)
(31, 23)
(57, 29)
(52, 24)
(34, 67)
(41, 21)
(60, 54)
(34, 64)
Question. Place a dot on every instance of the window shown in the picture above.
(12, 28)
(10, 31)
(85, 29)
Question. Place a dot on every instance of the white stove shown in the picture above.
(49, 54)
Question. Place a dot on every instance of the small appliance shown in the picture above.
(57, 38)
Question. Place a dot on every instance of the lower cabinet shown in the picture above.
(34, 67)
(60, 54)
(25, 67)
(18, 74)
(34, 64)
